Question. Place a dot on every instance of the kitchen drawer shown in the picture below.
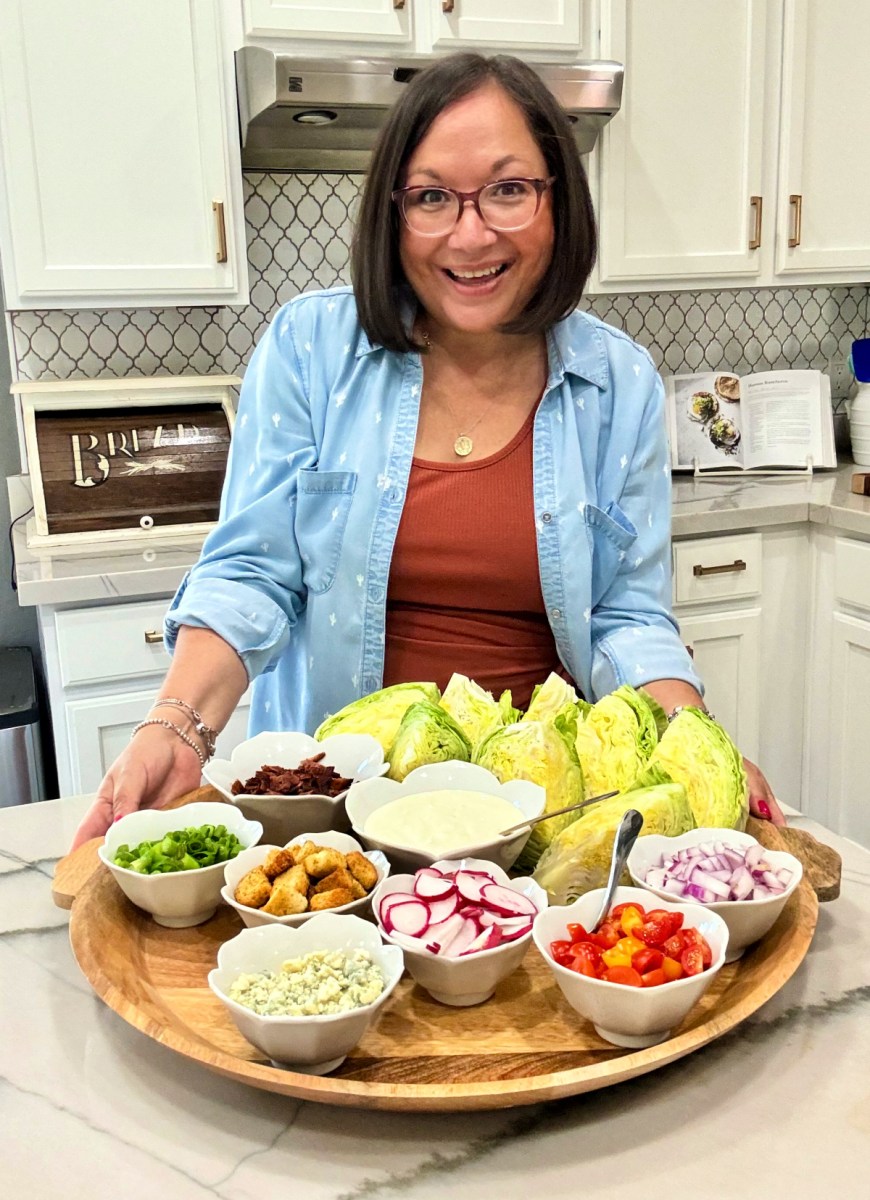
(717, 568)
(852, 572)
(120, 641)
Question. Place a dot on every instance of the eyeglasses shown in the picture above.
(506, 205)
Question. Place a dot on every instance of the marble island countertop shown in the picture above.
(155, 567)
(92, 1109)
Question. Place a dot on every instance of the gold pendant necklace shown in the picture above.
(463, 445)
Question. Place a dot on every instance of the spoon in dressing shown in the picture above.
(557, 813)
(626, 835)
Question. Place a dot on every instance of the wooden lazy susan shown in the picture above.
(522, 1046)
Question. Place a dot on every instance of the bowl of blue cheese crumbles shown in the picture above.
(305, 995)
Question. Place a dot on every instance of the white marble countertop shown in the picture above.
(155, 567)
(92, 1109)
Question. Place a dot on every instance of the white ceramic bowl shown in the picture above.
(178, 898)
(629, 1016)
(747, 920)
(248, 859)
(354, 755)
(364, 798)
(469, 979)
(316, 1044)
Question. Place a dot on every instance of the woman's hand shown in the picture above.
(762, 802)
(154, 769)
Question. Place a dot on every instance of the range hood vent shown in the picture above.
(308, 114)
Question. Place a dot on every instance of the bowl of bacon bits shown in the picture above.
(636, 977)
(316, 872)
(291, 783)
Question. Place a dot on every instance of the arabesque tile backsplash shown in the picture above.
(299, 238)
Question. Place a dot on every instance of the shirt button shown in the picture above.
(371, 683)
(394, 495)
(556, 614)
(547, 518)
(376, 593)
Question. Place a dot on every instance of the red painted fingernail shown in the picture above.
(115, 820)
(764, 809)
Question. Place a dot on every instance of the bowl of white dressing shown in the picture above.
(446, 810)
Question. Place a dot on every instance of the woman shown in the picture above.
(444, 468)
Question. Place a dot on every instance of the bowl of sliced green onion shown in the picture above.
(170, 862)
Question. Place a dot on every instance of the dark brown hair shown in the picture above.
(376, 270)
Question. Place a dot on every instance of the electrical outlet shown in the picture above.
(841, 377)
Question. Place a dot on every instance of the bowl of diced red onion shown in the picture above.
(727, 871)
(462, 925)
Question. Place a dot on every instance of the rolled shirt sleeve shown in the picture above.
(635, 637)
(247, 585)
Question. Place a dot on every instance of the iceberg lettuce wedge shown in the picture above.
(426, 734)
(379, 713)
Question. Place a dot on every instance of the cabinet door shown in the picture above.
(383, 20)
(682, 160)
(523, 24)
(824, 182)
(100, 727)
(727, 648)
(116, 149)
(848, 743)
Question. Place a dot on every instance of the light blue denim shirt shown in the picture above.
(295, 574)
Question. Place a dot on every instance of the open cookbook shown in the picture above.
(769, 420)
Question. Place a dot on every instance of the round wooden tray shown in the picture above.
(522, 1046)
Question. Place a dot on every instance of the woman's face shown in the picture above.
(477, 140)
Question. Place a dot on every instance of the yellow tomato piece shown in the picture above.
(630, 919)
(620, 954)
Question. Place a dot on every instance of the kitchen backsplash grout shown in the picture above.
(298, 232)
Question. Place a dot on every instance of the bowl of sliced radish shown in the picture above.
(727, 871)
(462, 925)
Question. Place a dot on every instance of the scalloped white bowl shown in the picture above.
(472, 978)
(629, 1016)
(371, 794)
(354, 755)
(317, 1044)
(747, 920)
(178, 898)
(248, 859)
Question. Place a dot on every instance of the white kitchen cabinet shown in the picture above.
(427, 26)
(742, 604)
(734, 128)
(120, 156)
(838, 685)
(103, 666)
(823, 207)
(681, 161)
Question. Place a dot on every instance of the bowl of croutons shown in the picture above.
(316, 872)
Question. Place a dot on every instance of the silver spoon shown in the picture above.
(557, 813)
(626, 835)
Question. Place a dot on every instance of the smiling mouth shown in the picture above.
(484, 275)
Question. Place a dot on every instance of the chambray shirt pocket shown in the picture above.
(612, 536)
(322, 509)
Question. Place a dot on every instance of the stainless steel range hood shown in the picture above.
(306, 114)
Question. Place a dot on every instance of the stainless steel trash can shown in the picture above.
(21, 778)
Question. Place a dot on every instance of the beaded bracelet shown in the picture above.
(208, 735)
(169, 725)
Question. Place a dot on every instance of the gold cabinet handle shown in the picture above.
(218, 209)
(447, 6)
(722, 569)
(153, 637)
(796, 203)
(398, 3)
(755, 203)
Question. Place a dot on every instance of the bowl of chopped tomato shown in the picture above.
(637, 977)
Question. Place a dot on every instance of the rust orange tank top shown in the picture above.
(464, 592)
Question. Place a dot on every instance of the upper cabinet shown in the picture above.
(427, 26)
(731, 160)
(120, 156)
(823, 213)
